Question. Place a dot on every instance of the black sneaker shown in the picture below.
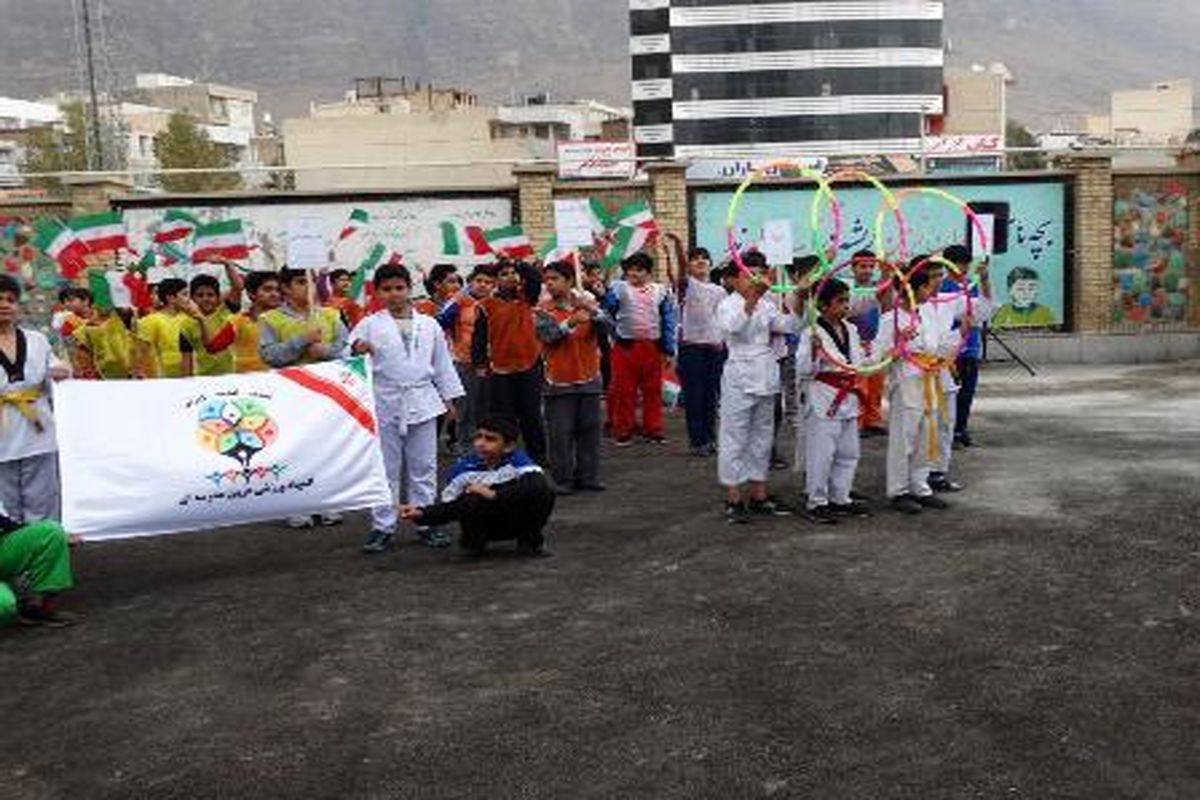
(906, 504)
(851, 509)
(934, 502)
(529, 551)
(590, 487)
(38, 616)
(434, 538)
(963, 439)
(770, 508)
(700, 451)
(941, 483)
(737, 513)
(378, 542)
(821, 515)
(656, 440)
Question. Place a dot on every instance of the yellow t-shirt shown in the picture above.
(245, 347)
(221, 334)
(161, 331)
(110, 345)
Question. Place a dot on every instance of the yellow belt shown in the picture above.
(24, 401)
(936, 409)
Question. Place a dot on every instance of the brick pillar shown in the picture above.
(535, 196)
(669, 198)
(93, 194)
(1093, 283)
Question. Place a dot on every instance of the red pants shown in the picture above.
(636, 367)
(871, 414)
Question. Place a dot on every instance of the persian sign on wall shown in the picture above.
(408, 226)
(1151, 257)
(1028, 275)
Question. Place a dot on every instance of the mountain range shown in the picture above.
(1067, 55)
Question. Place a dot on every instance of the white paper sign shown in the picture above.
(980, 248)
(777, 244)
(306, 247)
(573, 223)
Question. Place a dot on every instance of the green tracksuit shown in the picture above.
(40, 553)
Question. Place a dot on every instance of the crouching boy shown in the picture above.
(498, 494)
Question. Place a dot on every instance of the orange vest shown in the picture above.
(575, 358)
(464, 328)
(513, 345)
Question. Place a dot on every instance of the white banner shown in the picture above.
(597, 160)
(140, 458)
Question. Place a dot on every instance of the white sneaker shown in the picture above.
(331, 519)
(305, 521)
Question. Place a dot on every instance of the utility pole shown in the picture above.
(96, 151)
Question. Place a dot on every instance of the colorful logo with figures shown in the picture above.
(238, 428)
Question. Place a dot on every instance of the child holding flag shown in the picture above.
(341, 285)
(263, 290)
(160, 333)
(701, 350)
(415, 384)
(211, 338)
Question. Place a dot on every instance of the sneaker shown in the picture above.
(563, 490)
(378, 542)
(39, 616)
(700, 451)
(299, 522)
(963, 439)
(940, 483)
(590, 487)
(737, 513)
(851, 509)
(529, 551)
(906, 504)
(656, 440)
(778, 465)
(821, 515)
(433, 538)
(329, 520)
(770, 508)
(626, 442)
(712, 449)
(934, 502)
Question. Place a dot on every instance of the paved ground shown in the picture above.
(1039, 641)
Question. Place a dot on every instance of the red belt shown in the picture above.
(845, 384)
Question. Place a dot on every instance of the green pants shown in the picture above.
(39, 552)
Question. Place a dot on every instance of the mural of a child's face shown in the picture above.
(1024, 293)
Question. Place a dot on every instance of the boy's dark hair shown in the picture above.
(10, 285)
(957, 255)
(717, 274)
(505, 426)
(755, 260)
(488, 270)
(391, 272)
(1022, 274)
(67, 293)
(338, 274)
(920, 279)
(256, 280)
(288, 276)
(85, 295)
(563, 268)
(831, 291)
(802, 265)
(641, 261)
(437, 275)
(169, 288)
(699, 252)
(864, 255)
(205, 282)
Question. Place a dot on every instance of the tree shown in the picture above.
(1193, 137)
(1017, 135)
(185, 145)
(58, 149)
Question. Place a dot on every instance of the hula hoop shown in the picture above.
(932, 191)
(933, 362)
(839, 364)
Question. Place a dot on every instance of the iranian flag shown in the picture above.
(510, 242)
(175, 226)
(62, 244)
(112, 289)
(359, 221)
(360, 290)
(220, 241)
(102, 233)
(634, 227)
(461, 241)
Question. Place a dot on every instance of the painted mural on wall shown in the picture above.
(1028, 270)
(38, 274)
(408, 226)
(1151, 260)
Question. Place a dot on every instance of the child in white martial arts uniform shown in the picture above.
(952, 305)
(921, 344)
(28, 446)
(824, 359)
(750, 385)
(415, 383)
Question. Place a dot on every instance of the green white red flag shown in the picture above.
(359, 221)
(102, 233)
(176, 226)
(220, 241)
(462, 241)
(510, 242)
(62, 244)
